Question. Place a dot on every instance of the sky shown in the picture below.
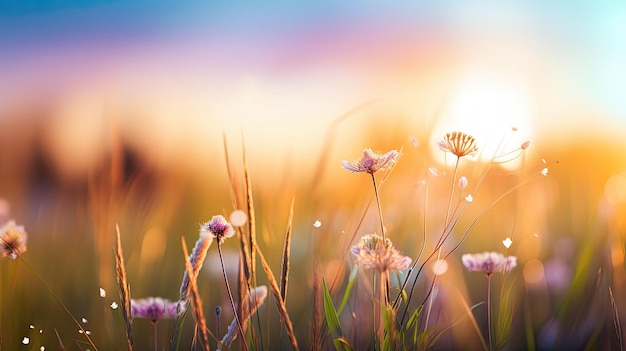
(295, 64)
(47, 42)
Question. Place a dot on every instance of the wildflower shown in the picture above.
(156, 308)
(12, 240)
(218, 227)
(374, 251)
(458, 143)
(371, 162)
(489, 262)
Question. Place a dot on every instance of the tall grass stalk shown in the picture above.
(196, 302)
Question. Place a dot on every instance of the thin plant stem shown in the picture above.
(380, 211)
(380, 329)
(432, 296)
(489, 311)
(154, 329)
(456, 169)
(58, 299)
(230, 296)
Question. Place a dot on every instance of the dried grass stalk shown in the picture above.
(198, 254)
(124, 289)
(284, 274)
(316, 327)
(196, 302)
(251, 216)
(254, 299)
(282, 309)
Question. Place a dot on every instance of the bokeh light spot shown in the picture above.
(533, 272)
(615, 189)
(238, 218)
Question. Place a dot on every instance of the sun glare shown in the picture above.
(489, 107)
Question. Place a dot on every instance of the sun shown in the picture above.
(495, 109)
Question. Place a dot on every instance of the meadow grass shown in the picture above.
(408, 256)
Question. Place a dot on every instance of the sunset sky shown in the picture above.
(282, 68)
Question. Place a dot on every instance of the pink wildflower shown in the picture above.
(371, 162)
(489, 262)
(218, 227)
(156, 308)
(374, 251)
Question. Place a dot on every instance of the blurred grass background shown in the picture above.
(100, 126)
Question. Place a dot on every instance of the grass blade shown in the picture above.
(332, 320)
(346, 294)
(616, 322)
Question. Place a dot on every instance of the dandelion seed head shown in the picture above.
(458, 143)
(238, 218)
(374, 251)
(12, 240)
(488, 262)
(317, 224)
(218, 227)
(371, 162)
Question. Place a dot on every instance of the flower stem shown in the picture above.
(154, 329)
(380, 211)
(489, 310)
(230, 296)
(456, 169)
(380, 331)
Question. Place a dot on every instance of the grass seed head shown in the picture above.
(12, 240)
